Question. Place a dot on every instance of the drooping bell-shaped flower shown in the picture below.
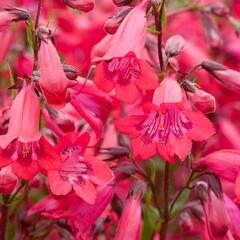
(22, 145)
(122, 67)
(167, 126)
(53, 81)
(79, 172)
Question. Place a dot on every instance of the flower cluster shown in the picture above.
(119, 119)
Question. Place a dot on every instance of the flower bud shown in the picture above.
(219, 9)
(44, 33)
(8, 180)
(201, 190)
(227, 77)
(174, 46)
(12, 14)
(114, 22)
(120, 3)
(19, 14)
(71, 72)
(201, 100)
(114, 152)
(82, 5)
(212, 66)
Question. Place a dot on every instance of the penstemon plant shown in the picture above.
(118, 119)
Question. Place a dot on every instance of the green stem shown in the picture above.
(164, 226)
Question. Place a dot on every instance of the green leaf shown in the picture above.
(30, 37)
(152, 30)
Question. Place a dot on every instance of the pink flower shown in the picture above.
(79, 172)
(22, 145)
(167, 126)
(122, 67)
(53, 81)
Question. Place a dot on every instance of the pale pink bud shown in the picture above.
(174, 46)
(82, 5)
(114, 22)
(227, 77)
(8, 180)
(202, 101)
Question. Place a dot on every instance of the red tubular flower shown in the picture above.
(78, 172)
(122, 68)
(22, 145)
(53, 81)
(167, 126)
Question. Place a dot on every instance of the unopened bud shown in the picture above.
(202, 101)
(19, 14)
(211, 31)
(125, 167)
(228, 78)
(114, 22)
(120, 3)
(138, 189)
(114, 152)
(174, 46)
(212, 66)
(71, 72)
(186, 222)
(201, 191)
(219, 9)
(189, 86)
(82, 5)
(43, 33)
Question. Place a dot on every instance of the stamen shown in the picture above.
(124, 70)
